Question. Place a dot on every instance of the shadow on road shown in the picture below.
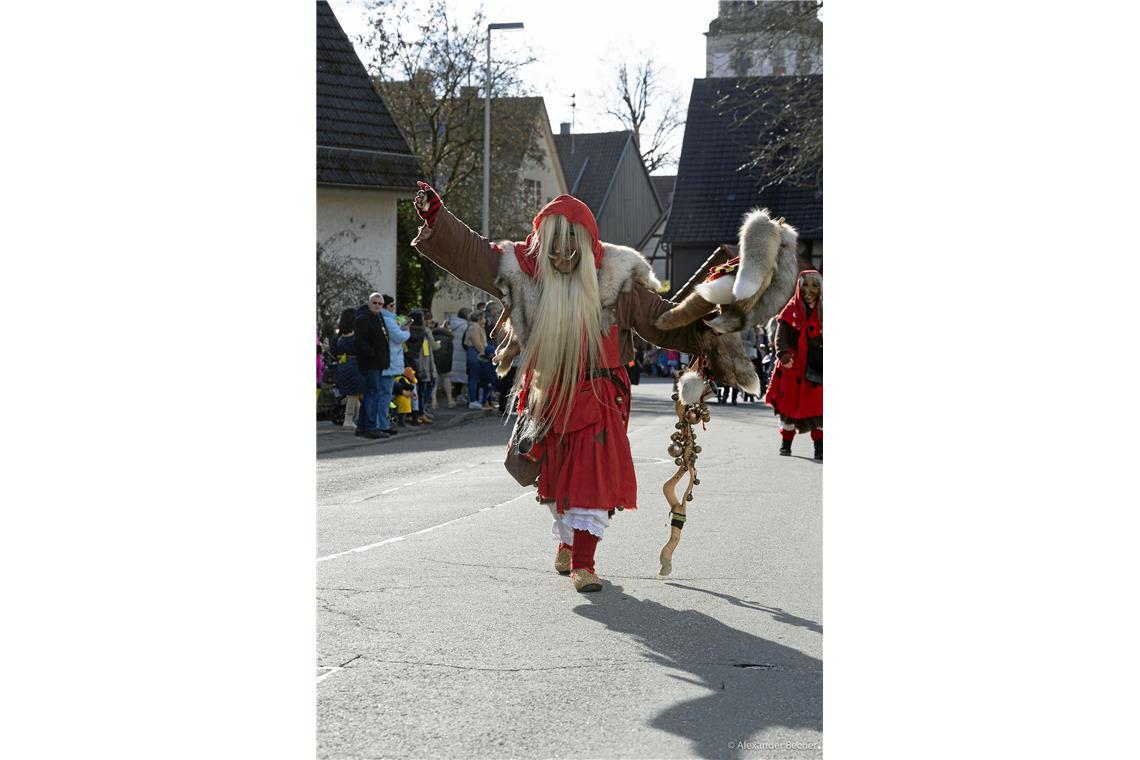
(754, 684)
(777, 614)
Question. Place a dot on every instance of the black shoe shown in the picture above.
(360, 433)
(786, 449)
(373, 434)
(390, 432)
(819, 450)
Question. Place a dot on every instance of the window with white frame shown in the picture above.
(532, 194)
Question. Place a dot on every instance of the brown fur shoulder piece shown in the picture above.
(763, 282)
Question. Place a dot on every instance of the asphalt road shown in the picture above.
(445, 632)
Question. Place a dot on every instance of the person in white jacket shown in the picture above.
(459, 326)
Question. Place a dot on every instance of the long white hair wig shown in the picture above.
(566, 337)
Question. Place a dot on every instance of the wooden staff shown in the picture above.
(684, 450)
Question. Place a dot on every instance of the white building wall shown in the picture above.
(361, 224)
(549, 172)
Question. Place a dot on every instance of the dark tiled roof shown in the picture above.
(591, 166)
(358, 143)
(713, 191)
(664, 187)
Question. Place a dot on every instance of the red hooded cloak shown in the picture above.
(790, 393)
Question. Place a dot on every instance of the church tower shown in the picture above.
(750, 38)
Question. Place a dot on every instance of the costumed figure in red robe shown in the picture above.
(571, 304)
(796, 390)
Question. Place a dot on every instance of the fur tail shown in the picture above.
(719, 291)
(759, 246)
(691, 387)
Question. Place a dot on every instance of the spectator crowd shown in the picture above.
(387, 370)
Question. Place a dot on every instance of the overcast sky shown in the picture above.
(576, 46)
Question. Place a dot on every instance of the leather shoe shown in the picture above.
(585, 581)
(562, 561)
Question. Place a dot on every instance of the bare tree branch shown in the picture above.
(639, 97)
(430, 71)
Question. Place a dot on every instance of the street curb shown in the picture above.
(405, 433)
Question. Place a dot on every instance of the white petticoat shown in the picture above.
(592, 521)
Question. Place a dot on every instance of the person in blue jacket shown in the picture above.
(397, 336)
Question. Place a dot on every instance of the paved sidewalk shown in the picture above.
(331, 438)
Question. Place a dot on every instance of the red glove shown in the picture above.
(427, 203)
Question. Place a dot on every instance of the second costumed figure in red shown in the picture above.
(796, 390)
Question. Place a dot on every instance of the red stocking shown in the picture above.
(817, 434)
(787, 435)
(583, 550)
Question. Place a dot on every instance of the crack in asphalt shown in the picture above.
(492, 567)
(676, 665)
(329, 608)
(603, 577)
(382, 589)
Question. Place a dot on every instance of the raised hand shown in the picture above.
(427, 202)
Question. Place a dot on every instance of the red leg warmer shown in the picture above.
(583, 550)
(787, 435)
(817, 434)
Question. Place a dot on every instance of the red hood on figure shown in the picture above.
(574, 210)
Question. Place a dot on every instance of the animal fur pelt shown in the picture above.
(621, 267)
(764, 281)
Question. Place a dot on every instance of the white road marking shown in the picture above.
(418, 532)
(393, 489)
(332, 670)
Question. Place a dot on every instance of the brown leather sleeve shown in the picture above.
(455, 247)
(638, 308)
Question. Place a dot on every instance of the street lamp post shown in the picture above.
(487, 129)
